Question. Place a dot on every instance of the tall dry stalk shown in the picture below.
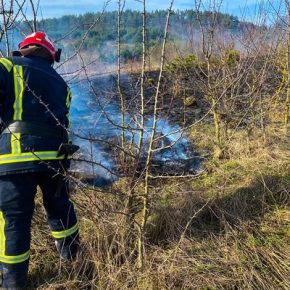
(120, 91)
(208, 38)
(287, 102)
(142, 94)
(6, 15)
(133, 199)
(146, 195)
(34, 13)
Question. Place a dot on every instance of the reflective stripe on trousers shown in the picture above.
(8, 259)
(65, 233)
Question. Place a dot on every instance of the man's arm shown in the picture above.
(5, 67)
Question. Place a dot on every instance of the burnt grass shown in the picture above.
(170, 105)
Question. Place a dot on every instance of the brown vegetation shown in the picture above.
(227, 228)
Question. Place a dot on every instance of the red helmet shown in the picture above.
(40, 38)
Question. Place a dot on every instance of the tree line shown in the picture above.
(101, 37)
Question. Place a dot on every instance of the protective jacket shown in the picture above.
(33, 99)
(31, 91)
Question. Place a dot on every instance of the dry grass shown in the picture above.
(228, 229)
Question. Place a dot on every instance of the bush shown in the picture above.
(190, 101)
(182, 63)
(232, 57)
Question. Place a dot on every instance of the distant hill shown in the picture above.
(102, 28)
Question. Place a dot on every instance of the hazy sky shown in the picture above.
(57, 8)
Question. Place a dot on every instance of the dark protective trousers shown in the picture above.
(17, 194)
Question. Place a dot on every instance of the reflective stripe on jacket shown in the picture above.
(31, 90)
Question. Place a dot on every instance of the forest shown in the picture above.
(104, 31)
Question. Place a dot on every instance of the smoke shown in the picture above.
(96, 121)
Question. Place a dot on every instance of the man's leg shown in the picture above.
(17, 194)
(60, 214)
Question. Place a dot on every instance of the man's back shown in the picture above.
(32, 93)
(41, 86)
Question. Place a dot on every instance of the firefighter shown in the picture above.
(34, 151)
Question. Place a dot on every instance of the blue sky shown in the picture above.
(57, 8)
